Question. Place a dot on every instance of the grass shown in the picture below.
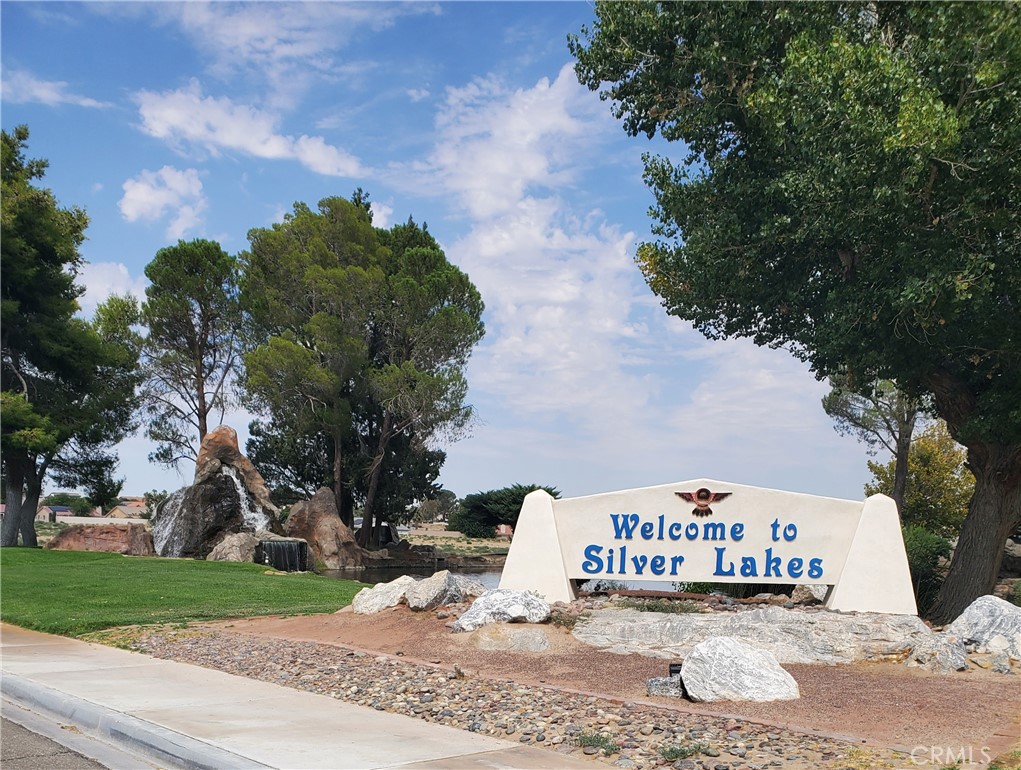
(1008, 761)
(459, 545)
(76, 592)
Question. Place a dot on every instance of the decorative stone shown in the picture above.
(1010, 566)
(723, 668)
(991, 625)
(382, 596)
(503, 606)
(666, 686)
(813, 593)
(220, 448)
(441, 589)
(236, 546)
(508, 638)
(317, 521)
(127, 539)
(941, 653)
(792, 636)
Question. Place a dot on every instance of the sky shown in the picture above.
(169, 121)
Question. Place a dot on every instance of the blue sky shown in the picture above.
(185, 120)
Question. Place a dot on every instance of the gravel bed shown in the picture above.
(625, 735)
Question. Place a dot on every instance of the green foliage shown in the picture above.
(598, 740)
(192, 354)
(670, 606)
(37, 584)
(361, 339)
(67, 384)
(939, 484)
(1015, 594)
(480, 512)
(925, 551)
(850, 192)
(152, 500)
(80, 506)
(438, 507)
(682, 751)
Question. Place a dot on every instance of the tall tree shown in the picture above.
(192, 354)
(878, 414)
(307, 290)
(851, 192)
(64, 383)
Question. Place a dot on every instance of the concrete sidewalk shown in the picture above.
(179, 715)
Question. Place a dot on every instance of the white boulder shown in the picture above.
(381, 596)
(940, 653)
(723, 668)
(442, 588)
(991, 625)
(503, 606)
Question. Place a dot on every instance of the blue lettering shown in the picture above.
(714, 530)
(775, 526)
(691, 531)
(592, 565)
(772, 564)
(647, 529)
(737, 531)
(624, 525)
(658, 565)
(795, 567)
(720, 572)
(675, 563)
(790, 532)
(639, 561)
(675, 530)
(748, 567)
(815, 568)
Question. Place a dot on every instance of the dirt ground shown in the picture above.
(885, 705)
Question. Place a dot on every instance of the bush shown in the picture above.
(460, 522)
(660, 605)
(925, 552)
(479, 513)
(676, 752)
(599, 740)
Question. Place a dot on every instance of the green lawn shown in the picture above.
(75, 592)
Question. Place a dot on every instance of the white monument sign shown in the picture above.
(717, 532)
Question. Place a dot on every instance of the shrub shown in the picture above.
(660, 605)
(599, 740)
(479, 513)
(925, 552)
(675, 752)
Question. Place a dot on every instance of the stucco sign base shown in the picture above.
(714, 531)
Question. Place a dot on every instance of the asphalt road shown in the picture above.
(21, 749)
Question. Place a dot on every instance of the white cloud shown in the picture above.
(381, 214)
(153, 194)
(186, 117)
(22, 87)
(101, 279)
(417, 94)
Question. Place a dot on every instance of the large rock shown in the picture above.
(220, 448)
(382, 596)
(510, 639)
(236, 546)
(503, 606)
(792, 636)
(128, 539)
(810, 593)
(991, 625)
(1010, 566)
(442, 588)
(317, 522)
(940, 653)
(228, 496)
(723, 668)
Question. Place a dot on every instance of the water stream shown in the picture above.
(254, 518)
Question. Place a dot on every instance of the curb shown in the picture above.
(123, 730)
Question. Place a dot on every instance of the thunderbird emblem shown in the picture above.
(702, 498)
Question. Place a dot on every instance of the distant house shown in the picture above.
(128, 508)
(50, 512)
(504, 530)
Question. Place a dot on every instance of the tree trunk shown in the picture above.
(994, 513)
(900, 473)
(33, 490)
(371, 525)
(13, 507)
(346, 515)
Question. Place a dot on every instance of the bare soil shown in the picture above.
(885, 704)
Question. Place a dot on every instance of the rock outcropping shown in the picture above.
(318, 523)
(503, 606)
(723, 668)
(229, 495)
(990, 625)
(128, 539)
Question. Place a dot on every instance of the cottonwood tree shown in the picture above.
(65, 384)
(192, 352)
(878, 415)
(851, 191)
